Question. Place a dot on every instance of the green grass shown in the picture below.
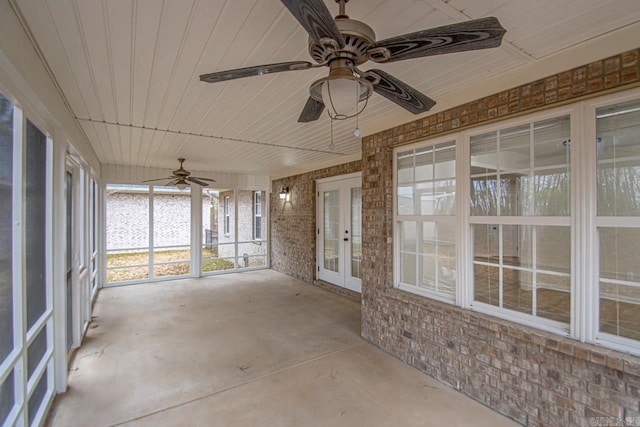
(210, 263)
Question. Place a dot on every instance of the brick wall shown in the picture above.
(128, 219)
(293, 224)
(534, 377)
(245, 227)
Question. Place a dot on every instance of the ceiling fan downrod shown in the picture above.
(341, 11)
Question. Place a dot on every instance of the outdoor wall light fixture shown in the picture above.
(284, 194)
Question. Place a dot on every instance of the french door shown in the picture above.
(339, 227)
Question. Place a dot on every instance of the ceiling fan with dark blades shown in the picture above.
(182, 178)
(343, 44)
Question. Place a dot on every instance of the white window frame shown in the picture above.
(549, 325)
(584, 316)
(448, 219)
(227, 217)
(593, 222)
(23, 336)
(257, 213)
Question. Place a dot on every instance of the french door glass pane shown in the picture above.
(35, 222)
(356, 232)
(6, 239)
(331, 230)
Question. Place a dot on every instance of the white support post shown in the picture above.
(196, 230)
(59, 263)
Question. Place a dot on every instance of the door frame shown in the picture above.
(343, 278)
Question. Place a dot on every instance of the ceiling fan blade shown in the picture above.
(476, 34)
(197, 181)
(314, 16)
(157, 179)
(204, 179)
(172, 182)
(255, 71)
(401, 93)
(311, 111)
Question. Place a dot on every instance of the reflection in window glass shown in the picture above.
(35, 222)
(331, 229)
(6, 230)
(432, 192)
(437, 258)
(619, 281)
(356, 232)
(520, 172)
(427, 248)
(531, 163)
(408, 253)
(618, 195)
(524, 268)
(618, 157)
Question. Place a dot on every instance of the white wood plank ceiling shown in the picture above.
(129, 70)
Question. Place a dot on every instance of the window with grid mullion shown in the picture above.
(519, 212)
(618, 220)
(426, 221)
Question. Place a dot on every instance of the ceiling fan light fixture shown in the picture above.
(341, 94)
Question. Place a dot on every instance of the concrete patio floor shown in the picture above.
(248, 349)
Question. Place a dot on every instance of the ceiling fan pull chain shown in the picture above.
(332, 146)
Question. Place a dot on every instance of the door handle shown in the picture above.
(346, 239)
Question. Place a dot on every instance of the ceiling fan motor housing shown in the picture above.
(357, 35)
(181, 172)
